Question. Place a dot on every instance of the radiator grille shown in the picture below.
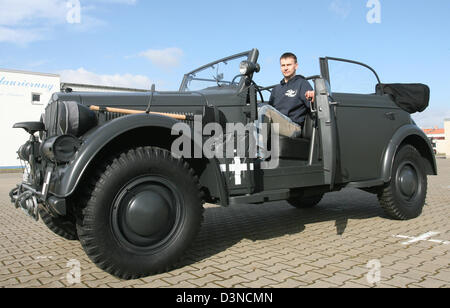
(51, 119)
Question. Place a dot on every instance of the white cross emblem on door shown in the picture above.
(238, 168)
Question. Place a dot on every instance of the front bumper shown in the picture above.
(28, 198)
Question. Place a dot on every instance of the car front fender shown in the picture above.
(68, 178)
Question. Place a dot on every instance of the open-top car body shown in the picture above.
(127, 173)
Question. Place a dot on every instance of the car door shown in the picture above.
(325, 111)
(364, 125)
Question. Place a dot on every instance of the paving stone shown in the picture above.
(231, 282)
(202, 281)
(269, 245)
(400, 281)
(429, 282)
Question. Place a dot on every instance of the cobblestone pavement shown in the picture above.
(346, 241)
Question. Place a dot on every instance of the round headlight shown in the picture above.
(243, 67)
(247, 68)
(61, 149)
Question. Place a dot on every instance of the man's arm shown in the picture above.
(306, 93)
(309, 95)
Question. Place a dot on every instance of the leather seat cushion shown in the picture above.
(297, 148)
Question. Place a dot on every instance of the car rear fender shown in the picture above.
(413, 135)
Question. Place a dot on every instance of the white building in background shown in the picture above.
(437, 138)
(440, 138)
(447, 137)
(23, 98)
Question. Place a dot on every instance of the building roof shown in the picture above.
(434, 131)
(28, 73)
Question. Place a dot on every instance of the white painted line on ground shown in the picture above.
(439, 242)
(424, 237)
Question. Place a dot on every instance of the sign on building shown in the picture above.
(23, 97)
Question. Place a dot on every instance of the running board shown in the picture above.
(268, 196)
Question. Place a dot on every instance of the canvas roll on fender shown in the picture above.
(99, 138)
(413, 135)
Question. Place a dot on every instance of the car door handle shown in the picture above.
(390, 116)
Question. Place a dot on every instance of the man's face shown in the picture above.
(288, 67)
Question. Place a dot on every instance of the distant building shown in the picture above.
(23, 97)
(447, 138)
(437, 138)
(440, 138)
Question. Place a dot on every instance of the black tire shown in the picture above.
(125, 236)
(305, 202)
(62, 226)
(404, 197)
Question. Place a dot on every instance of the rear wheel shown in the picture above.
(143, 212)
(404, 197)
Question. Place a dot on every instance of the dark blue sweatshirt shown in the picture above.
(289, 98)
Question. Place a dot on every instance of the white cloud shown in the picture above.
(27, 21)
(23, 12)
(83, 76)
(164, 58)
(24, 21)
(20, 36)
(341, 8)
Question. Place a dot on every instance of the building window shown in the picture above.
(36, 98)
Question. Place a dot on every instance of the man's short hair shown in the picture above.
(289, 55)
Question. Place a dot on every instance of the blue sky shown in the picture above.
(136, 42)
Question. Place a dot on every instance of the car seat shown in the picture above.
(298, 148)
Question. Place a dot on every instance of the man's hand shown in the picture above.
(310, 95)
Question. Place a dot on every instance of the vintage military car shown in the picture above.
(100, 167)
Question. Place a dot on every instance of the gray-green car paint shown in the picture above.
(357, 150)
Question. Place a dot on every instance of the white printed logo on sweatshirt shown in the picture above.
(291, 93)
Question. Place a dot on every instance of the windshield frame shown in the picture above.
(252, 55)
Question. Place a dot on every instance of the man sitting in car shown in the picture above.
(289, 102)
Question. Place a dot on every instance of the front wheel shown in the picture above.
(62, 226)
(142, 214)
(404, 197)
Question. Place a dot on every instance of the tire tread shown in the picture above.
(86, 233)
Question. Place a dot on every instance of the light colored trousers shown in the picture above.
(288, 128)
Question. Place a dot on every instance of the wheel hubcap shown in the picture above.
(407, 181)
(145, 213)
